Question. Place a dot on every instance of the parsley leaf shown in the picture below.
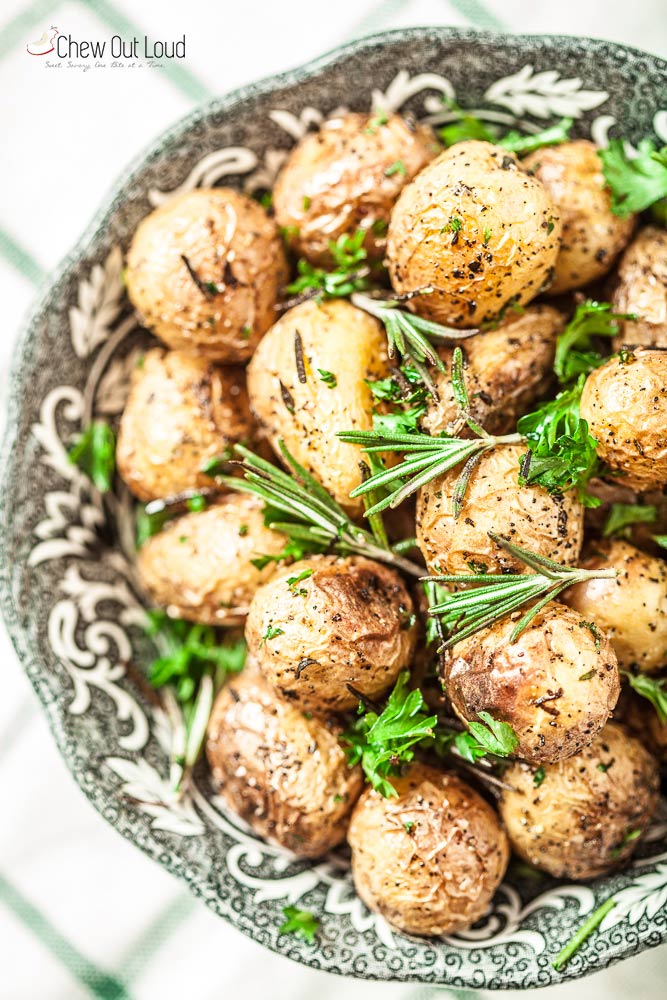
(468, 126)
(328, 378)
(622, 515)
(553, 135)
(188, 651)
(636, 183)
(299, 922)
(347, 276)
(575, 353)
(271, 632)
(651, 689)
(293, 580)
(539, 775)
(95, 454)
(488, 736)
(382, 742)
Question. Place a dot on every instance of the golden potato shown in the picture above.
(641, 289)
(181, 412)
(326, 622)
(582, 817)
(632, 609)
(199, 566)
(506, 369)
(204, 272)
(346, 177)
(430, 859)
(549, 525)
(281, 771)
(625, 404)
(306, 381)
(478, 229)
(592, 235)
(555, 685)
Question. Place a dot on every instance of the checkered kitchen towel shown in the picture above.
(82, 913)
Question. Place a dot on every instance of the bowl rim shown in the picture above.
(21, 355)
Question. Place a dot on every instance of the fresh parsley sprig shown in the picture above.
(521, 143)
(349, 272)
(622, 516)
(302, 923)
(652, 689)
(575, 346)
(638, 182)
(94, 452)
(492, 597)
(468, 126)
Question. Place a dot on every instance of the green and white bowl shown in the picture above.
(67, 590)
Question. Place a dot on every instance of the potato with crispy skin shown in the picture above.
(505, 370)
(181, 412)
(631, 609)
(641, 290)
(327, 622)
(283, 772)
(625, 404)
(430, 859)
(346, 177)
(582, 817)
(477, 230)
(199, 567)
(205, 271)
(550, 525)
(555, 685)
(307, 380)
(592, 235)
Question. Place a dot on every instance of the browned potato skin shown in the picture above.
(528, 515)
(284, 773)
(506, 369)
(632, 609)
(199, 566)
(625, 404)
(535, 684)
(440, 877)
(351, 626)
(592, 235)
(641, 289)
(229, 240)
(485, 188)
(574, 824)
(181, 411)
(338, 338)
(335, 181)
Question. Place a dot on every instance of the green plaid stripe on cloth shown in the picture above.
(82, 912)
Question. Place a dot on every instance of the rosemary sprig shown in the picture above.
(494, 596)
(311, 515)
(410, 336)
(426, 457)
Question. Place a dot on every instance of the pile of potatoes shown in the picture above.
(473, 237)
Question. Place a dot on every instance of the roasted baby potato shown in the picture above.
(549, 525)
(346, 177)
(555, 685)
(199, 566)
(625, 404)
(325, 623)
(430, 859)
(592, 235)
(204, 272)
(632, 609)
(506, 369)
(281, 771)
(478, 230)
(306, 381)
(582, 817)
(641, 289)
(181, 412)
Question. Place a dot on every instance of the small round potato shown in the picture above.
(478, 230)
(346, 177)
(199, 566)
(641, 289)
(282, 772)
(306, 381)
(592, 235)
(625, 404)
(430, 859)
(632, 609)
(555, 685)
(582, 817)
(325, 623)
(549, 525)
(204, 272)
(181, 412)
(506, 369)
